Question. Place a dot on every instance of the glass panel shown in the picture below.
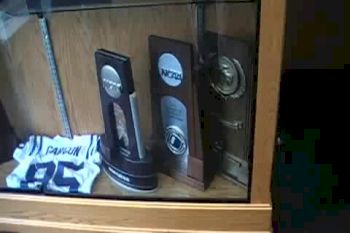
(128, 99)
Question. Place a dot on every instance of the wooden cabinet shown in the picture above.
(29, 100)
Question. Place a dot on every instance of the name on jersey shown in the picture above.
(64, 150)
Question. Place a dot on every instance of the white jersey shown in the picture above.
(56, 164)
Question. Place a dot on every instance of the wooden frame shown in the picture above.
(133, 216)
(272, 22)
(28, 213)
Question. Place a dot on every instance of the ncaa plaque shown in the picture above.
(177, 139)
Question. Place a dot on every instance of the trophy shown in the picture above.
(228, 94)
(176, 118)
(124, 158)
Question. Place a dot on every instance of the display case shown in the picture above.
(138, 116)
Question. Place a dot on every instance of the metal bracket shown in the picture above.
(234, 124)
(45, 36)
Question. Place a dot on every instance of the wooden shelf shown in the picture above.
(168, 187)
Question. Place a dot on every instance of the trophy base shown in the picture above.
(135, 174)
(125, 179)
(127, 187)
(183, 178)
(197, 175)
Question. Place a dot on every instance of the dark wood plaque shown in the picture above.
(176, 117)
(232, 107)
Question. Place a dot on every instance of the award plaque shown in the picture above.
(176, 121)
(124, 157)
(228, 94)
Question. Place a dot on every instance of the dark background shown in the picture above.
(309, 190)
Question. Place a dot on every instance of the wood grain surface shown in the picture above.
(28, 95)
(272, 22)
(26, 90)
(123, 216)
(168, 187)
(77, 35)
(28, 226)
